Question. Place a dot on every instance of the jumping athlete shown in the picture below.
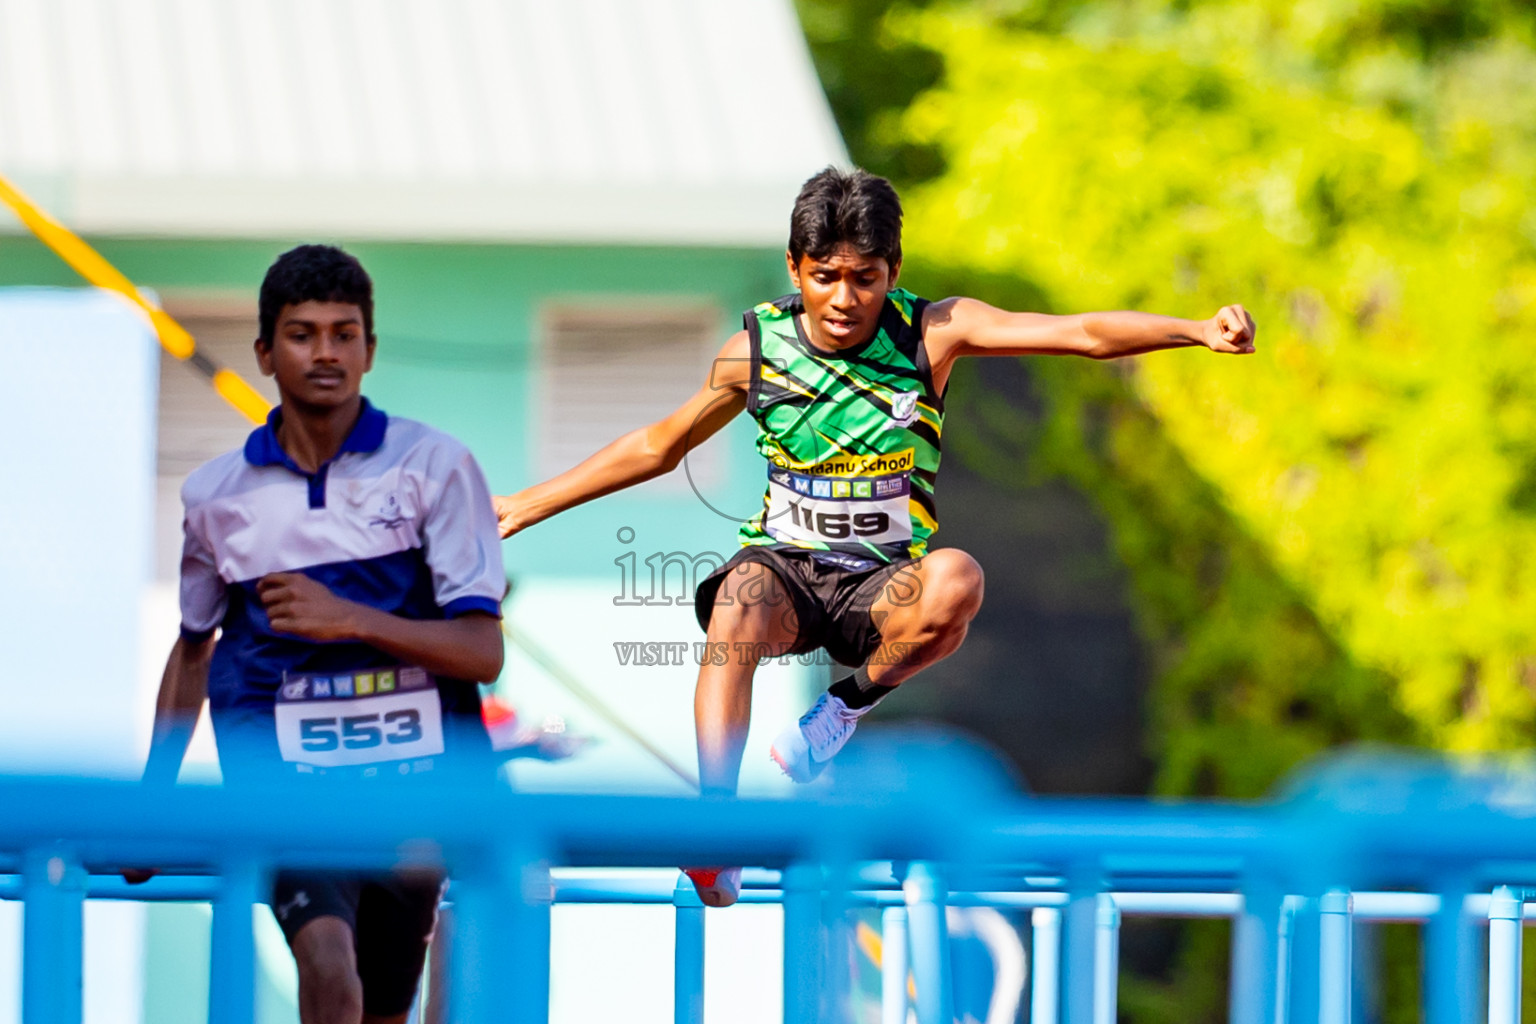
(846, 379)
(349, 562)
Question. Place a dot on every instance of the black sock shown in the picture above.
(857, 691)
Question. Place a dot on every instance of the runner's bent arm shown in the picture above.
(640, 454)
(466, 647)
(968, 327)
(184, 684)
(183, 688)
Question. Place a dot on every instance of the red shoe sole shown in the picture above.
(706, 884)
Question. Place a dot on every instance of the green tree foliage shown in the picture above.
(870, 75)
(1358, 175)
(1332, 539)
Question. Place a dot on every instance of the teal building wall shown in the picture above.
(458, 329)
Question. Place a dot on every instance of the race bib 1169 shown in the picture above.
(359, 718)
(838, 510)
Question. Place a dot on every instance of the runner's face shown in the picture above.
(318, 355)
(843, 294)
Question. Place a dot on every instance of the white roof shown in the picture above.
(642, 121)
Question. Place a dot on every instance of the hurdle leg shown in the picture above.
(1450, 960)
(530, 938)
(838, 940)
(688, 954)
(1079, 951)
(1045, 967)
(802, 944)
(476, 940)
(893, 965)
(1336, 920)
(926, 898)
(52, 937)
(1285, 956)
(1255, 957)
(501, 917)
(1106, 960)
(232, 983)
(1506, 914)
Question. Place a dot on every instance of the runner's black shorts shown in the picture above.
(391, 916)
(830, 596)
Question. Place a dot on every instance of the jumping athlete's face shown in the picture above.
(318, 355)
(843, 293)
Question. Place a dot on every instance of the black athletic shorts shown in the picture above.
(391, 917)
(830, 593)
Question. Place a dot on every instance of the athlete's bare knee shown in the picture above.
(330, 996)
(329, 989)
(953, 587)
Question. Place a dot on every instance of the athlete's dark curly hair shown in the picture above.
(314, 273)
(853, 207)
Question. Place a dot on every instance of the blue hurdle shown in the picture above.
(1293, 876)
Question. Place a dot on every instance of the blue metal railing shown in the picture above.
(1455, 850)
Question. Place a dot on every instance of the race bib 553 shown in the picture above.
(359, 718)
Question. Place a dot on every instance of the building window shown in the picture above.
(605, 370)
(194, 423)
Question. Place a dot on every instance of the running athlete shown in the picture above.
(846, 379)
(348, 562)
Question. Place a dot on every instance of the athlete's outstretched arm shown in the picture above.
(640, 454)
(183, 688)
(969, 327)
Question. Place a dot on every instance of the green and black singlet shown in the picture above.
(851, 437)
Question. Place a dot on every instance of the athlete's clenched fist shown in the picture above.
(304, 607)
(508, 520)
(1230, 330)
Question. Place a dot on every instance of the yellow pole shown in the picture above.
(92, 266)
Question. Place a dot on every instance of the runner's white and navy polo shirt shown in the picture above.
(400, 520)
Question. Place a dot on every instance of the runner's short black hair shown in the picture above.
(314, 273)
(854, 207)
